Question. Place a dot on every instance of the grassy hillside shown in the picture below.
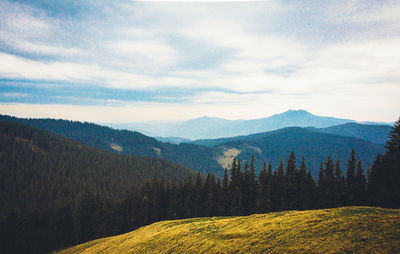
(347, 229)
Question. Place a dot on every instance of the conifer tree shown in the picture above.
(340, 185)
(264, 186)
(226, 197)
(279, 188)
(291, 182)
(351, 181)
(360, 185)
(301, 188)
(198, 208)
(236, 187)
(312, 196)
(250, 185)
(376, 189)
(321, 184)
(391, 161)
(330, 185)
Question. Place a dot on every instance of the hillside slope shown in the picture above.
(346, 229)
(378, 134)
(314, 146)
(39, 169)
(198, 158)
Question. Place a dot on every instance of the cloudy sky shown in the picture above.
(124, 61)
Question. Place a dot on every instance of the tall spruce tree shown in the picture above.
(264, 188)
(360, 193)
(330, 184)
(340, 185)
(226, 197)
(279, 188)
(236, 187)
(351, 182)
(376, 187)
(391, 163)
(291, 182)
(198, 208)
(301, 188)
(250, 185)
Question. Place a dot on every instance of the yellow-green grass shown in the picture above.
(339, 230)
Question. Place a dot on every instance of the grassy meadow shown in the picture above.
(338, 230)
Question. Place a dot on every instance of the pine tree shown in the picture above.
(236, 187)
(351, 181)
(226, 197)
(360, 194)
(291, 182)
(340, 185)
(321, 185)
(312, 197)
(198, 200)
(376, 187)
(302, 192)
(278, 193)
(391, 161)
(264, 188)
(330, 199)
(251, 187)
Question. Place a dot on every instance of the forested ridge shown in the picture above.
(198, 158)
(43, 174)
(313, 145)
(240, 192)
(266, 146)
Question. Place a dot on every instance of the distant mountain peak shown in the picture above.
(299, 112)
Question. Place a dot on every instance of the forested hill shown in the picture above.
(314, 146)
(268, 146)
(39, 169)
(378, 134)
(198, 158)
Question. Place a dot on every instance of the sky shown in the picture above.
(128, 61)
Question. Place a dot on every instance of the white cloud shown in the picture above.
(362, 12)
(151, 53)
(14, 95)
(29, 47)
(22, 20)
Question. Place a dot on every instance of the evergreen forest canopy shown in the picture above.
(37, 221)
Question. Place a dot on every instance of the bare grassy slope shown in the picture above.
(347, 229)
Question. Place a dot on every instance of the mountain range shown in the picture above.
(211, 127)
